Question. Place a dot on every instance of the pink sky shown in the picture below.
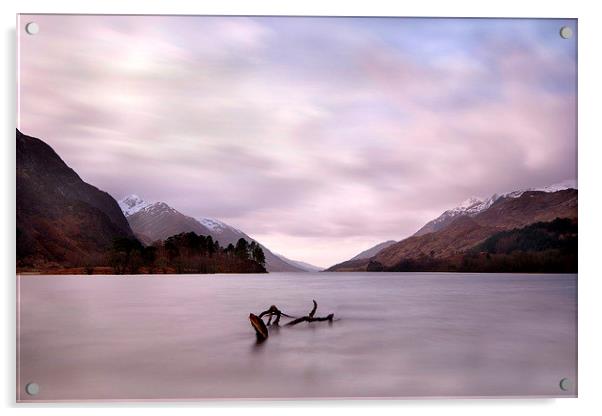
(317, 136)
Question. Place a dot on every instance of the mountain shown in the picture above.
(132, 204)
(459, 231)
(158, 221)
(61, 220)
(473, 206)
(366, 254)
(469, 207)
(301, 264)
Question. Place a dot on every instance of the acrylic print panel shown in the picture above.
(271, 207)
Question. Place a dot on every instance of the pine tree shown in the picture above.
(242, 248)
(259, 255)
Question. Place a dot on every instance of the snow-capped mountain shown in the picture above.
(218, 226)
(560, 186)
(153, 221)
(131, 204)
(473, 206)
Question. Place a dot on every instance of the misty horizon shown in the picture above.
(318, 137)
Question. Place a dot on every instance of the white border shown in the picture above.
(590, 280)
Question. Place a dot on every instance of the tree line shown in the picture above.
(186, 253)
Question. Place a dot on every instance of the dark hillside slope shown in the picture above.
(61, 220)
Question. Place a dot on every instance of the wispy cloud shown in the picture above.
(318, 136)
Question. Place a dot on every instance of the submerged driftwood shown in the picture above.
(261, 330)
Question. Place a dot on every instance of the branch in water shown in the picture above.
(310, 317)
(313, 311)
(261, 329)
(271, 312)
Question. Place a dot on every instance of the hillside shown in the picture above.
(366, 254)
(542, 247)
(473, 206)
(61, 220)
(444, 248)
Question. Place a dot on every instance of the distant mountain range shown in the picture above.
(65, 222)
(153, 221)
(302, 265)
(366, 254)
(451, 241)
(61, 220)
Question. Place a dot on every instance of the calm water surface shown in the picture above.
(397, 334)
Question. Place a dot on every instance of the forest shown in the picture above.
(186, 253)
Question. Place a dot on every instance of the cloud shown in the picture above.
(318, 136)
